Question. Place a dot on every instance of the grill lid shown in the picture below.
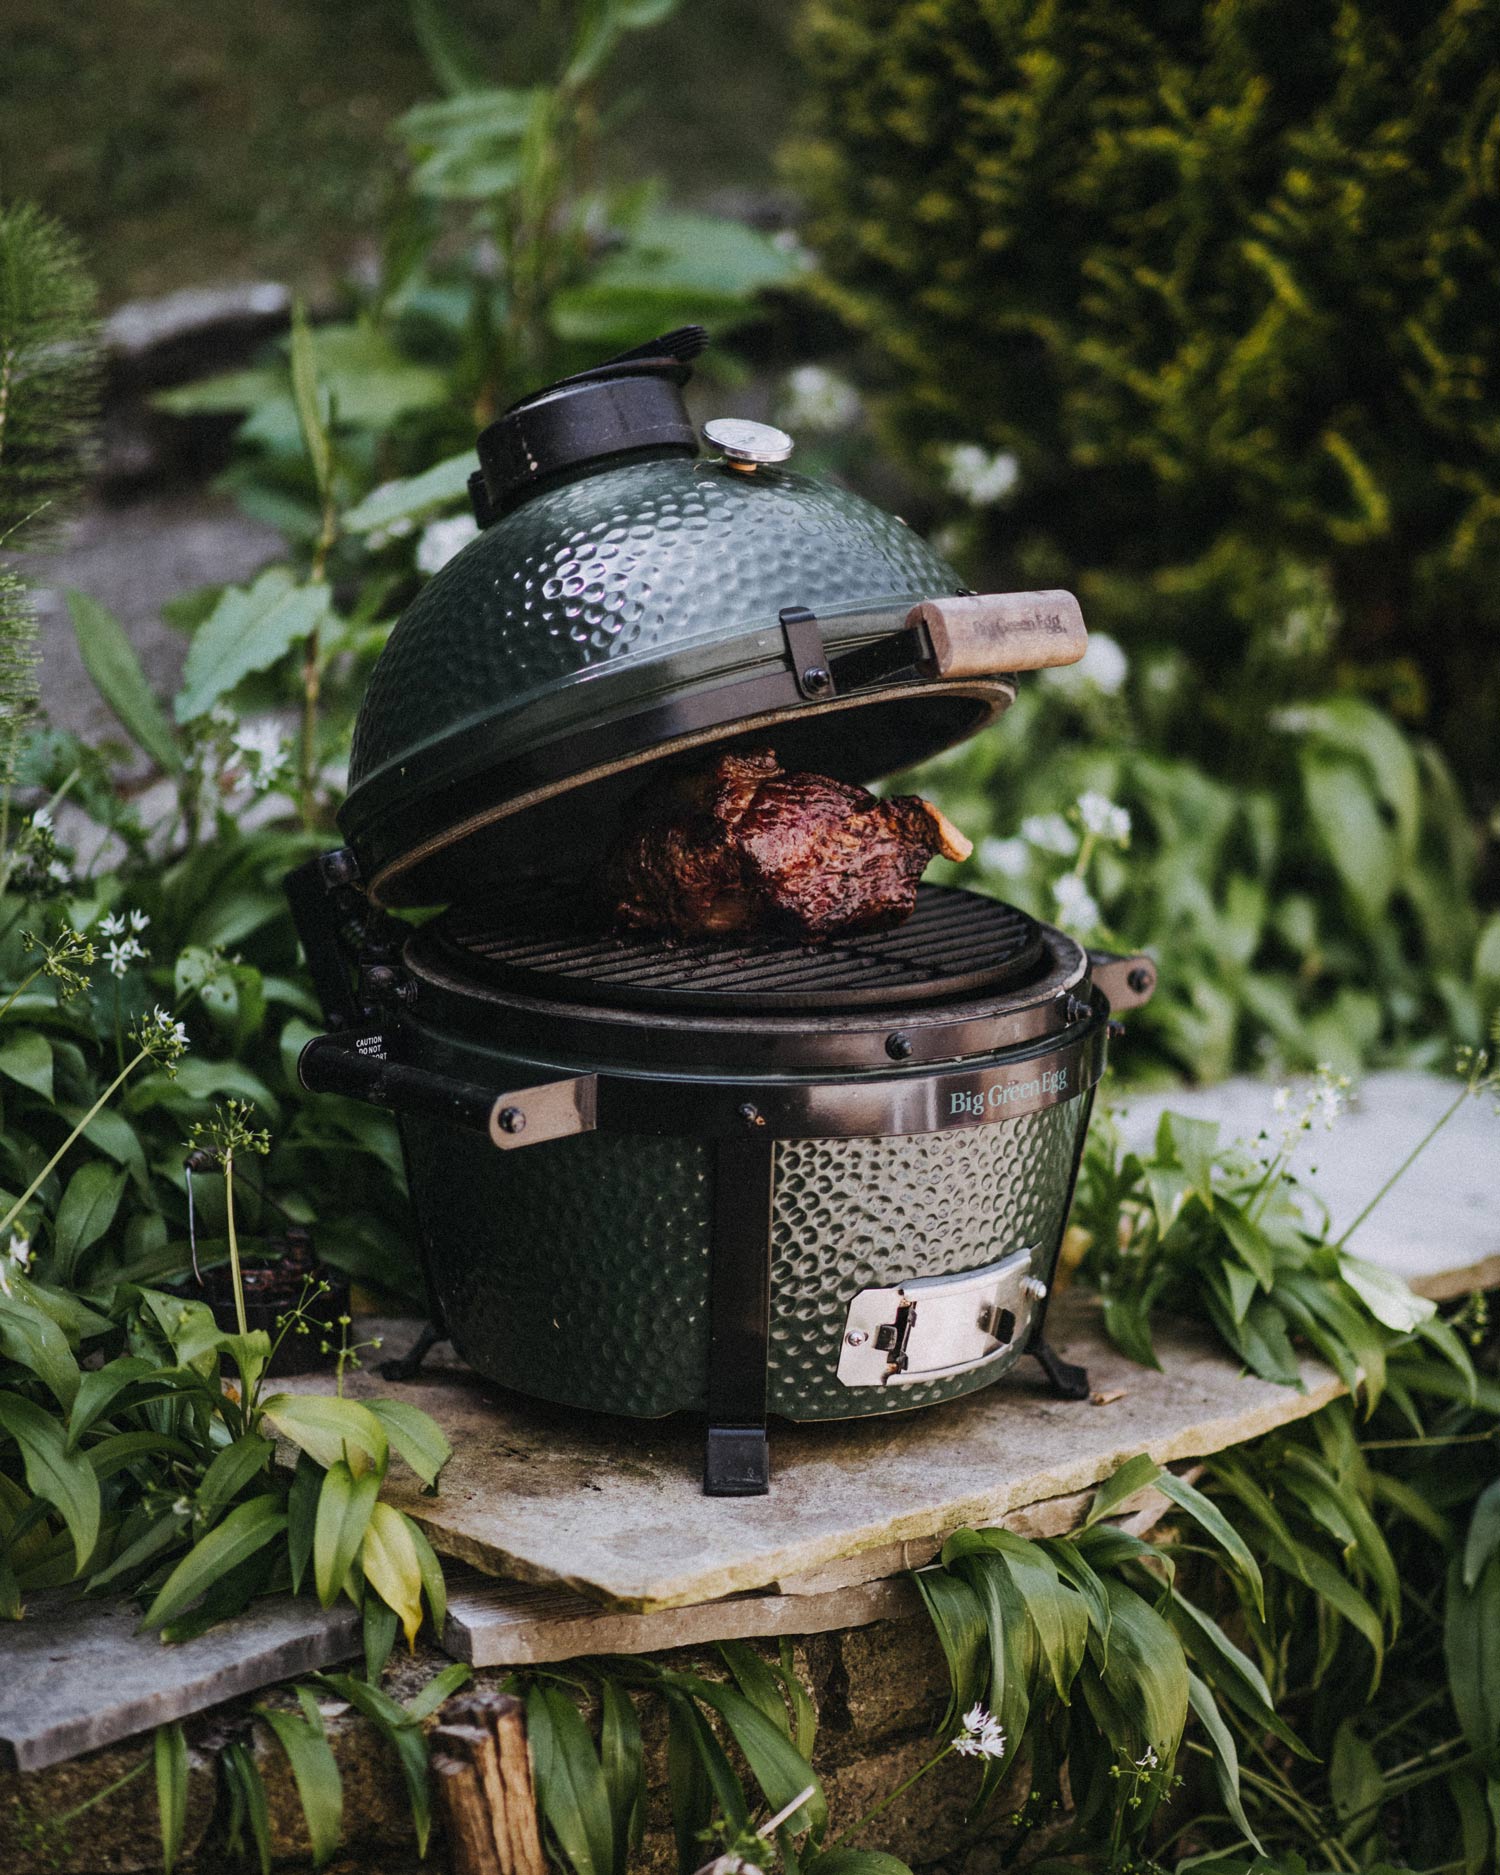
(624, 603)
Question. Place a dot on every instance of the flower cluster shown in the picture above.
(40, 869)
(1076, 905)
(1050, 833)
(977, 477)
(228, 1133)
(64, 958)
(263, 752)
(819, 400)
(1324, 1099)
(161, 1037)
(123, 931)
(1103, 818)
(1103, 667)
(981, 1736)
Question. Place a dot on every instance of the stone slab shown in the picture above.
(498, 1623)
(75, 1675)
(1439, 1228)
(614, 1509)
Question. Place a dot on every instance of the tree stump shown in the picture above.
(482, 1773)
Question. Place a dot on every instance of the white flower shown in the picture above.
(978, 477)
(981, 1736)
(1149, 1762)
(1325, 1098)
(442, 539)
(20, 1250)
(122, 954)
(41, 820)
(819, 399)
(1050, 833)
(1103, 667)
(113, 925)
(1281, 1100)
(164, 1021)
(1010, 857)
(1104, 817)
(1076, 904)
(57, 872)
(139, 921)
(265, 751)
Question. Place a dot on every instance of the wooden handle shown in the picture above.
(990, 633)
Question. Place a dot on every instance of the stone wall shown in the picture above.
(879, 1692)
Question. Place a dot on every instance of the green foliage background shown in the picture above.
(1223, 278)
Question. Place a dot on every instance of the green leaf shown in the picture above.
(65, 1479)
(86, 1212)
(26, 1056)
(100, 1387)
(418, 1437)
(439, 1689)
(957, 1616)
(1193, 1144)
(1484, 1534)
(1250, 1242)
(1145, 1674)
(379, 1627)
(1210, 1518)
(1362, 850)
(775, 1763)
(622, 1759)
(757, 1682)
(1355, 1783)
(305, 397)
(1384, 1294)
(1225, 1756)
(248, 1806)
(433, 1585)
(247, 1528)
(404, 1736)
(1471, 1646)
(392, 1566)
(315, 1771)
(344, 1506)
(231, 1470)
(1134, 1475)
(250, 629)
(30, 1338)
(328, 1429)
(170, 1753)
(302, 1515)
(110, 659)
(570, 1785)
(445, 482)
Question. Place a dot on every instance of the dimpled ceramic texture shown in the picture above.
(623, 564)
(577, 1271)
(854, 1214)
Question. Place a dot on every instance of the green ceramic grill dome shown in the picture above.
(640, 578)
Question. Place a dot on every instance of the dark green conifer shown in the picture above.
(1223, 274)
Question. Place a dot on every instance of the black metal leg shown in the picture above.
(410, 1364)
(1066, 1381)
(737, 1458)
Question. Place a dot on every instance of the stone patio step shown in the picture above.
(75, 1675)
(613, 1509)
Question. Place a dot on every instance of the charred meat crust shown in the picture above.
(740, 846)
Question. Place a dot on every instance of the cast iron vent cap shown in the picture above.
(629, 405)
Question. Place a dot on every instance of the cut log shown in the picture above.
(487, 1730)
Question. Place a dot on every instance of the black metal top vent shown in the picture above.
(954, 944)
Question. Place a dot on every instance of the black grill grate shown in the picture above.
(954, 944)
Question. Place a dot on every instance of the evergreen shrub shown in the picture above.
(1223, 278)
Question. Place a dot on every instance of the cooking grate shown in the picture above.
(954, 944)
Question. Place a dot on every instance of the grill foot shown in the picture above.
(410, 1364)
(736, 1462)
(1066, 1381)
